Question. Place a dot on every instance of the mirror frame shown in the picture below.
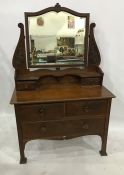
(57, 8)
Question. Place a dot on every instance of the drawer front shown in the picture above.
(84, 108)
(63, 128)
(40, 112)
(25, 85)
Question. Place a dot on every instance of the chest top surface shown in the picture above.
(59, 93)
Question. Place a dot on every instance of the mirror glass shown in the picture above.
(56, 39)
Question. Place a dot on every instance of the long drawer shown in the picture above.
(34, 130)
(87, 107)
(40, 112)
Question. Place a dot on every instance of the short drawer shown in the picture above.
(62, 128)
(83, 108)
(25, 85)
(39, 112)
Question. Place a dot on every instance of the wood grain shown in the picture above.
(61, 93)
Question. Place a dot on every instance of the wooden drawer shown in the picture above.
(25, 85)
(62, 128)
(39, 112)
(86, 107)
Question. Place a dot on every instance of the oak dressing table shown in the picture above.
(58, 82)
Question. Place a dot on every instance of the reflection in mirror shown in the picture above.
(56, 39)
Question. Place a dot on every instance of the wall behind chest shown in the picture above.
(109, 36)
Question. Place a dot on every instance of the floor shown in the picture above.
(69, 157)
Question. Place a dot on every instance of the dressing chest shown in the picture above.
(58, 82)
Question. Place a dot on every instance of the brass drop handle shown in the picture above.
(43, 128)
(41, 110)
(85, 126)
(85, 108)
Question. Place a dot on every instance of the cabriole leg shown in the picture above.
(103, 147)
(23, 159)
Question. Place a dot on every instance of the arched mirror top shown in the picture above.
(57, 37)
